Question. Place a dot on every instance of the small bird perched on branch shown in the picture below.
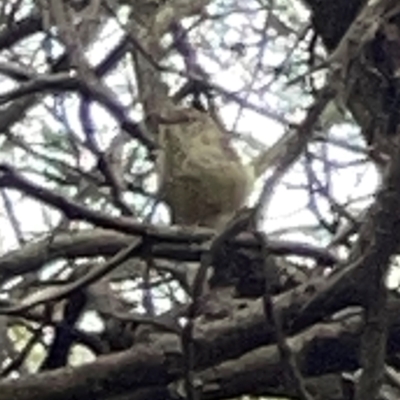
(202, 177)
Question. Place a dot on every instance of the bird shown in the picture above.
(202, 178)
